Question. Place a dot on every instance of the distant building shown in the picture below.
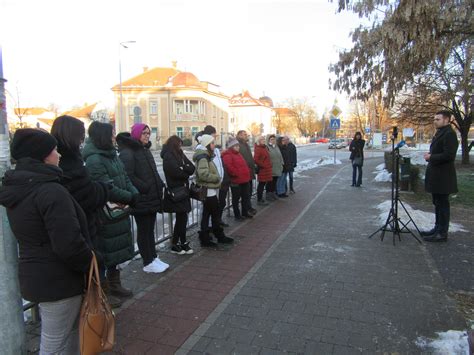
(171, 102)
(30, 117)
(89, 113)
(251, 114)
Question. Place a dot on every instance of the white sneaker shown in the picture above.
(154, 268)
(160, 263)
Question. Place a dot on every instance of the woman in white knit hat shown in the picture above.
(207, 175)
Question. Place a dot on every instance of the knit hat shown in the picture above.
(231, 142)
(137, 130)
(32, 143)
(206, 139)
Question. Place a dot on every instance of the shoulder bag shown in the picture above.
(198, 192)
(97, 321)
(178, 193)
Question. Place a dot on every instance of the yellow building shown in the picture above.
(170, 102)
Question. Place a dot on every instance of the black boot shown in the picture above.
(221, 237)
(430, 232)
(205, 240)
(113, 301)
(437, 237)
(115, 284)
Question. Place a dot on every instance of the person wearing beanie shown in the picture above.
(239, 173)
(277, 167)
(55, 250)
(225, 181)
(32, 143)
(134, 148)
(114, 235)
(264, 163)
(243, 139)
(208, 176)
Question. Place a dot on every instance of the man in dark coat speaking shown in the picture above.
(440, 178)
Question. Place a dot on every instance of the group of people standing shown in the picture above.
(69, 197)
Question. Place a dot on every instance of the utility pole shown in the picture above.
(12, 326)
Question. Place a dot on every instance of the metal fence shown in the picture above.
(163, 232)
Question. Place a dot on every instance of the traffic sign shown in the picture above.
(367, 129)
(335, 123)
(336, 111)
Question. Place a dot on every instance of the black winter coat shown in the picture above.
(357, 148)
(177, 171)
(287, 166)
(440, 177)
(91, 195)
(141, 169)
(247, 154)
(51, 229)
(292, 155)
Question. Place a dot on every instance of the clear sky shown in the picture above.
(66, 51)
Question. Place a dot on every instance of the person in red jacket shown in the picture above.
(261, 156)
(239, 173)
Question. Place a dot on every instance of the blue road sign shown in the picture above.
(335, 123)
(367, 129)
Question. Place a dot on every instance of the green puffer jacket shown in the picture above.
(114, 236)
(206, 171)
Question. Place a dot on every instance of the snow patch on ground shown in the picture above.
(423, 220)
(380, 167)
(308, 164)
(383, 176)
(450, 342)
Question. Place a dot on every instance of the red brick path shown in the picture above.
(162, 320)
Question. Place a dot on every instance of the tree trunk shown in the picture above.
(464, 144)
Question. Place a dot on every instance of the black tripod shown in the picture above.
(393, 222)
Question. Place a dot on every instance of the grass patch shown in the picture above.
(465, 196)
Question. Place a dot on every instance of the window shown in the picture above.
(153, 108)
(189, 106)
(179, 106)
(179, 132)
(194, 131)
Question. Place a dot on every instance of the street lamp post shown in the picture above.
(124, 45)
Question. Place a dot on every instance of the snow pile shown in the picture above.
(380, 167)
(310, 164)
(423, 220)
(450, 342)
(383, 176)
(416, 158)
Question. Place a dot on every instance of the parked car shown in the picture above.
(337, 143)
(322, 140)
(333, 144)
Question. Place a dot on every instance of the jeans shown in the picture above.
(179, 230)
(355, 169)
(146, 237)
(60, 326)
(281, 184)
(210, 208)
(261, 186)
(240, 192)
(290, 174)
(442, 211)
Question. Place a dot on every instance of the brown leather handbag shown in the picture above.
(97, 321)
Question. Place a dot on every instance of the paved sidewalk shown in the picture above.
(301, 278)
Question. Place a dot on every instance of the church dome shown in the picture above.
(266, 101)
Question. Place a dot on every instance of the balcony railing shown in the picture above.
(189, 117)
